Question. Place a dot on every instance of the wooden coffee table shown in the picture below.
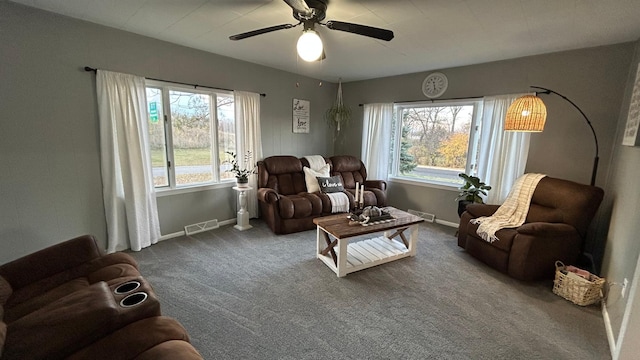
(343, 257)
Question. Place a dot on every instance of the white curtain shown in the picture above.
(503, 154)
(248, 138)
(127, 183)
(376, 139)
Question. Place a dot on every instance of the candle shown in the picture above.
(357, 188)
(362, 195)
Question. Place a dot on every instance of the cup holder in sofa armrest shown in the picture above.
(126, 287)
(133, 299)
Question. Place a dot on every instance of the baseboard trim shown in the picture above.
(182, 233)
(446, 223)
(608, 329)
(228, 222)
(233, 221)
(171, 236)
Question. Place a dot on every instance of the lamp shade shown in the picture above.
(527, 114)
(309, 46)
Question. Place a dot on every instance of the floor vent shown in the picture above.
(200, 227)
(428, 217)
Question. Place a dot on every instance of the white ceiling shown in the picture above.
(429, 34)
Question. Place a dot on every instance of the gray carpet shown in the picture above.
(255, 295)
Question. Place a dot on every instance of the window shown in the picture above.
(190, 132)
(434, 142)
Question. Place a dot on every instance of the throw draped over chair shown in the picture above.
(555, 229)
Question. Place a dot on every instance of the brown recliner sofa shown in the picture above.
(72, 301)
(285, 204)
(555, 229)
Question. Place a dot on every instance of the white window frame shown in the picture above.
(217, 182)
(472, 150)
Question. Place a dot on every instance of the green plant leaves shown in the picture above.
(472, 188)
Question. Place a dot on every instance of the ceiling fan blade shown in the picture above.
(369, 31)
(261, 31)
(299, 6)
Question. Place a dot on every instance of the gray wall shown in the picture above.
(50, 187)
(622, 207)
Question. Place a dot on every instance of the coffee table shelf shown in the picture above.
(370, 252)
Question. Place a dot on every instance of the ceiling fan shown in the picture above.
(311, 12)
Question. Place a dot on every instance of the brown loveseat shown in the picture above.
(286, 205)
(555, 229)
(71, 301)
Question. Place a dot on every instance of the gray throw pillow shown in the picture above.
(330, 184)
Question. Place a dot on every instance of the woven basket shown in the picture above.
(578, 290)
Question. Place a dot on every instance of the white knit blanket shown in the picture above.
(513, 212)
(315, 161)
(339, 202)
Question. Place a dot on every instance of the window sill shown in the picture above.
(195, 188)
(435, 185)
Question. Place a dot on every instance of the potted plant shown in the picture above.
(339, 114)
(241, 174)
(470, 192)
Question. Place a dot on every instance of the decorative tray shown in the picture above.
(359, 217)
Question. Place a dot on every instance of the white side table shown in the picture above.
(242, 222)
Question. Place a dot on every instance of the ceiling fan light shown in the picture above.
(309, 46)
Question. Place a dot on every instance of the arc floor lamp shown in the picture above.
(529, 114)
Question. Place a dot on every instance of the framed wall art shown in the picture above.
(630, 137)
(301, 116)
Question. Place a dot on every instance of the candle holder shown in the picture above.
(359, 196)
(357, 210)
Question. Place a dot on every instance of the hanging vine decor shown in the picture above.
(338, 115)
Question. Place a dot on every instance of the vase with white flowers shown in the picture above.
(241, 173)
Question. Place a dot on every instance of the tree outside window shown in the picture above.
(437, 141)
(188, 146)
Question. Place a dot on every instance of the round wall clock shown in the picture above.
(434, 85)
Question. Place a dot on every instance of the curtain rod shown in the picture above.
(87, 68)
(434, 100)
